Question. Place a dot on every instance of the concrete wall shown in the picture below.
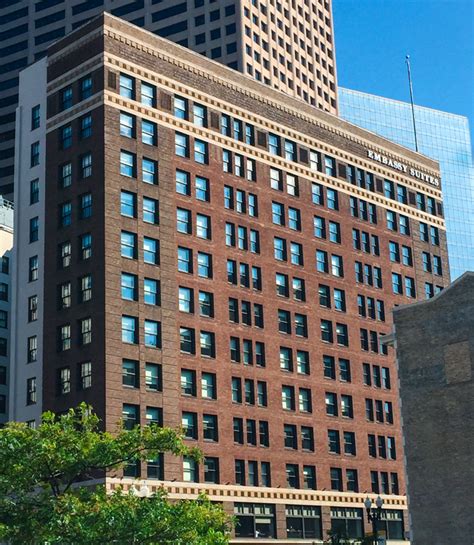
(32, 93)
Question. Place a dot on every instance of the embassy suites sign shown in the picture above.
(397, 165)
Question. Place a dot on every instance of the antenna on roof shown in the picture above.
(407, 60)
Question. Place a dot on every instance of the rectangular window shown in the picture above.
(152, 334)
(151, 253)
(148, 95)
(86, 165)
(65, 175)
(149, 133)
(127, 86)
(181, 145)
(35, 117)
(201, 152)
(128, 164)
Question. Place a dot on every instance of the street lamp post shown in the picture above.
(374, 514)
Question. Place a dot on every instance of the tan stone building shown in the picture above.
(287, 44)
(218, 255)
(435, 351)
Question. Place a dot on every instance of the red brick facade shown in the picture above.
(268, 112)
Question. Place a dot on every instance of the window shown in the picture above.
(331, 404)
(180, 107)
(199, 115)
(65, 135)
(149, 133)
(85, 206)
(200, 152)
(65, 214)
(149, 171)
(189, 424)
(85, 246)
(187, 340)
(127, 125)
(34, 154)
(130, 329)
(183, 183)
(190, 470)
(288, 398)
(31, 397)
(292, 476)
(64, 254)
(35, 117)
(33, 268)
(184, 260)
(181, 145)
(148, 95)
(85, 288)
(211, 470)
(204, 265)
(337, 268)
(130, 373)
(66, 98)
(64, 337)
(127, 86)
(86, 126)
(397, 284)
(86, 165)
(322, 261)
(128, 165)
(34, 191)
(32, 349)
(304, 397)
(203, 226)
(85, 375)
(336, 479)
(152, 334)
(207, 344)
(130, 416)
(65, 176)
(151, 254)
(296, 253)
(332, 199)
(34, 229)
(128, 243)
(151, 293)
(85, 88)
(153, 379)
(208, 386)
(32, 308)
(128, 204)
(129, 288)
(326, 331)
(209, 427)
(64, 295)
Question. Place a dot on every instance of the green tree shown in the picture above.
(41, 502)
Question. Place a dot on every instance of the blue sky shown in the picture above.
(373, 36)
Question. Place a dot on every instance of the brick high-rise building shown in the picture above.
(217, 254)
(286, 44)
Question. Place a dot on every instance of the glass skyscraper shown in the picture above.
(441, 136)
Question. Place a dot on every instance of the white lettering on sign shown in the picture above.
(397, 165)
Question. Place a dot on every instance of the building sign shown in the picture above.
(397, 165)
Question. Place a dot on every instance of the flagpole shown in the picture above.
(407, 60)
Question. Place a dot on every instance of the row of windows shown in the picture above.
(64, 384)
(276, 145)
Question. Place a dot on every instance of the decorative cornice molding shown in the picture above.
(134, 42)
(235, 493)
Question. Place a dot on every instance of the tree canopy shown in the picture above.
(42, 503)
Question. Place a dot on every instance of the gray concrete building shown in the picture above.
(6, 242)
(283, 43)
(435, 350)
